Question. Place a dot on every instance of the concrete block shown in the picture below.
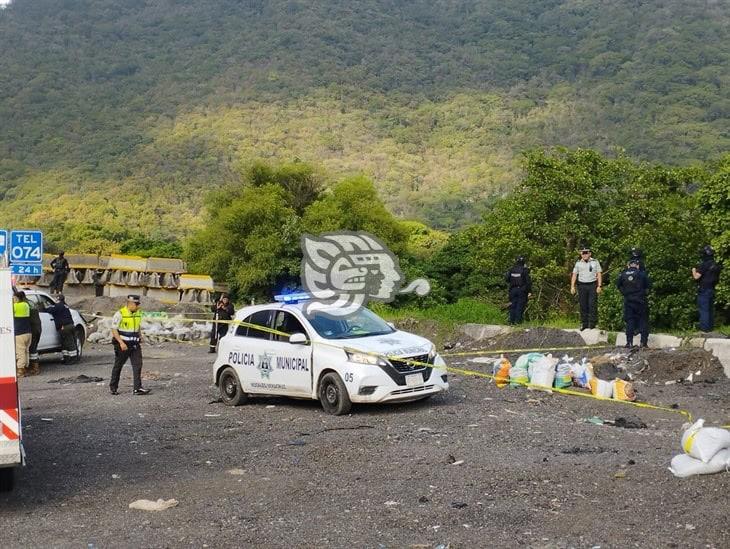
(484, 331)
(620, 339)
(721, 349)
(591, 337)
(663, 341)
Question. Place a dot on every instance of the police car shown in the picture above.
(336, 360)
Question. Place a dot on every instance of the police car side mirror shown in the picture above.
(298, 339)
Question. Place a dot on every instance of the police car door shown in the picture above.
(291, 362)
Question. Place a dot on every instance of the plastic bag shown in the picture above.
(502, 372)
(543, 373)
(518, 376)
(601, 388)
(623, 390)
(526, 361)
(564, 373)
(583, 373)
(685, 466)
(702, 442)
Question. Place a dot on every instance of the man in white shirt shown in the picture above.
(587, 273)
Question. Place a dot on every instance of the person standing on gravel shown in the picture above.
(22, 330)
(222, 310)
(65, 325)
(633, 283)
(587, 273)
(127, 341)
(520, 289)
(707, 275)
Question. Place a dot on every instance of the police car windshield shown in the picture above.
(361, 323)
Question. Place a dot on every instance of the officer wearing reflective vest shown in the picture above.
(520, 289)
(22, 329)
(633, 283)
(127, 341)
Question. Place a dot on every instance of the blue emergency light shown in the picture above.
(292, 298)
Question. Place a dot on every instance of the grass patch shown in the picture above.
(463, 311)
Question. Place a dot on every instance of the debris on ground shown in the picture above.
(148, 505)
(631, 422)
(157, 329)
(83, 378)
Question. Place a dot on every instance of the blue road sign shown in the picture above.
(26, 247)
(3, 241)
(27, 269)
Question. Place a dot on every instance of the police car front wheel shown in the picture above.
(230, 388)
(333, 395)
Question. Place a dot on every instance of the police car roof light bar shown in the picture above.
(292, 298)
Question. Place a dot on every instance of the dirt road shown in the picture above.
(478, 467)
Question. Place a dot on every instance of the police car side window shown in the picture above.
(260, 318)
(288, 324)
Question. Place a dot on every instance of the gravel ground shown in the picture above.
(477, 467)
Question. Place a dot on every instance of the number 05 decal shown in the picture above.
(349, 377)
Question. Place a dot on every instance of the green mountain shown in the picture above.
(117, 116)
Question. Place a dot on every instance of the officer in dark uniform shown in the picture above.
(65, 325)
(633, 283)
(520, 289)
(222, 310)
(707, 275)
(637, 254)
(61, 269)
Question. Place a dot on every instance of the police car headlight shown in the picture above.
(365, 358)
(432, 354)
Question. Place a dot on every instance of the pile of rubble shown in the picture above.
(157, 330)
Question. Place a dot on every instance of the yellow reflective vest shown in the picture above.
(130, 325)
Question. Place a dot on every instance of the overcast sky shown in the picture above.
(4, 2)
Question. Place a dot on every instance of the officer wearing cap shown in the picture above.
(127, 341)
(587, 273)
(638, 255)
(60, 268)
(520, 288)
(633, 283)
(707, 275)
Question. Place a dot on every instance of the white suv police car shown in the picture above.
(336, 360)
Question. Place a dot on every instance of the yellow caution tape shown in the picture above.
(687, 446)
(513, 351)
(572, 392)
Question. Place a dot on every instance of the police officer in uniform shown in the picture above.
(633, 283)
(520, 289)
(588, 275)
(707, 275)
(22, 329)
(65, 325)
(61, 269)
(36, 329)
(222, 310)
(127, 341)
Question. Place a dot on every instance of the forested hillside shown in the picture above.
(118, 115)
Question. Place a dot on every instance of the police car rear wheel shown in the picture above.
(333, 395)
(230, 388)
